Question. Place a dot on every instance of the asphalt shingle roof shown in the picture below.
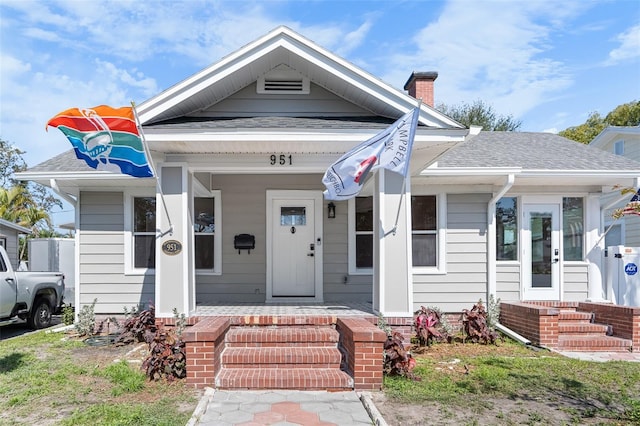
(271, 122)
(531, 151)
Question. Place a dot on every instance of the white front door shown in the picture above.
(294, 238)
(541, 252)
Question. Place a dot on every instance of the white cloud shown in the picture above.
(494, 51)
(629, 47)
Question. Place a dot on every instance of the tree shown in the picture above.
(11, 161)
(584, 133)
(480, 114)
(623, 115)
(27, 204)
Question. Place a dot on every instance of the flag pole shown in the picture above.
(153, 170)
(404, 180)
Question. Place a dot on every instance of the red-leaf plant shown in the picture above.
(397, 361)
(474, 324)
(425, 322)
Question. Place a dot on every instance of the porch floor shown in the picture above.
(359, 309)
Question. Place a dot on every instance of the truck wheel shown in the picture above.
(40, 316)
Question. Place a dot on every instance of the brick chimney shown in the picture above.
(420, 85)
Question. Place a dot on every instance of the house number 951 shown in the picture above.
(282, 160)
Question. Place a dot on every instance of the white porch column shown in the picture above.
(595, 249)
(392, 257)
(175, 279)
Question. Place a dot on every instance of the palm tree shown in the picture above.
(17, 206)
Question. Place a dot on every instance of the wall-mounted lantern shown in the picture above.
(331, 211)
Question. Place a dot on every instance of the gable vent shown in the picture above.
(283, 81)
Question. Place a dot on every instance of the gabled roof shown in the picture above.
(283, 46)
(614, 132)
(15, 226)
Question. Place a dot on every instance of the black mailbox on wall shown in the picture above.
(244, 242)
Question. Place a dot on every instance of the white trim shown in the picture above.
(316, 196)
(128, 196)
(76, 257)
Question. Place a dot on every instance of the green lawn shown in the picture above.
(48, 378)
(489, 382)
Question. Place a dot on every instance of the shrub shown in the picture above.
(86, 320)
(428, 326)
(474, 325)
(68, 314)
(140, 327)
(397, 361)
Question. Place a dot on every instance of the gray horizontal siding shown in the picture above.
(508, 281)
(466, 259)
(576, 282)
(102, 263)
(11, 236)
(319, 102)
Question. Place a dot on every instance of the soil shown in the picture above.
(486, 410)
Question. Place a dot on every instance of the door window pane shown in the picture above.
(293, 216)
(541, 228)
(573, 227)
(507, 228)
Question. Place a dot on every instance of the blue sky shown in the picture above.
(548, 63)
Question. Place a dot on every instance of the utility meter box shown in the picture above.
(623, 275)
(55, 255)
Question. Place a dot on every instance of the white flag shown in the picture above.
(389, 149)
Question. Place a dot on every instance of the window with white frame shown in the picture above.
(206, 229)
(424, 230)
(144, 232)
(507, 228)
(364, 233)
(573, 228)
(427, 234)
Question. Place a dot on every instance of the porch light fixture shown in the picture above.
(331, 211)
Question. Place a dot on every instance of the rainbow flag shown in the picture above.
(105, 138)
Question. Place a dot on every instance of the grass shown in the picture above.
(45, 378)
(580, 390)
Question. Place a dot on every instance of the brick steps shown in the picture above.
(592, 343)
(267, 356)
(577, 332)
(575, 327)
(282, 378)
(282, 336)
(282, 357)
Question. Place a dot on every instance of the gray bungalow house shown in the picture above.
(240, 149)
(9, 239)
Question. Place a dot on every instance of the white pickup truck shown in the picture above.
(31, 296)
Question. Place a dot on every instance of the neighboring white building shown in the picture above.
(9, 239)
(623, 141)
(240, 149)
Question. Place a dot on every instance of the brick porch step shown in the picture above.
(574, 316)
(274, 378)
(281, 336)
(592, 343)
(281, 357)
(575, 327)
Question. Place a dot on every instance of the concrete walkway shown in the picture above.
(284, 407)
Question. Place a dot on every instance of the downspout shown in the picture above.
(491, 236)
(68, 198)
